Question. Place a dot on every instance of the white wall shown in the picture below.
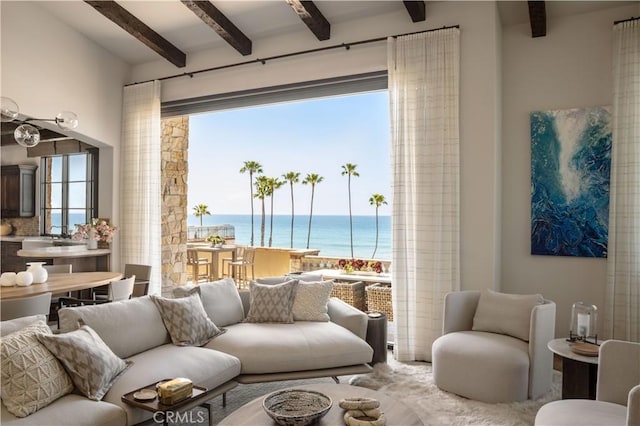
(47, 67)
(480, 115)
(570, 67)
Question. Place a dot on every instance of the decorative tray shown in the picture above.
(586, 349)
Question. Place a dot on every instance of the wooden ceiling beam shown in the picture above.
(417, 10)
(312, 17)
(212, 16)
(538, 18)
(128, 22)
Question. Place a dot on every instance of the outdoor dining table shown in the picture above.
(61, 283)
(215, 255)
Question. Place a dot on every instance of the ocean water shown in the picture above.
(329, 234)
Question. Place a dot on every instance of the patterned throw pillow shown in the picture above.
(31, 376)
(186, 320)
(311, 301)
(272, 303)
(92, 365)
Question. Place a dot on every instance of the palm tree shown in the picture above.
(350, 170)
(274, 184)
(199, 211)
(262, 192)
(292, 177)
(251, 167)
(311, 179)
(376, 200)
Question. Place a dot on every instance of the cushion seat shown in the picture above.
(582, 412)
(70, 410)
(299, 346)
(464, 362)
(205, 367)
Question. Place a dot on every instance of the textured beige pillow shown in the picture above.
(272, 303)
(310, 303)
(186, 320)
(93, 367)
(508, 314)
(31, 376)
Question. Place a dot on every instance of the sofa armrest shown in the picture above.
(459, 309)
(541, 331)
(633, 407)
(348, 317)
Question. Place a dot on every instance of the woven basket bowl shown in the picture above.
(296, 407)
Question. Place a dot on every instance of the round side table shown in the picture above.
(579, 372)
(377, 336)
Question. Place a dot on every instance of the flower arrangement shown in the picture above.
(352, 265)
(215, 239)
(102, 231)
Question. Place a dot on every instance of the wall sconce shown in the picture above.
(584, 323)
(26, 134)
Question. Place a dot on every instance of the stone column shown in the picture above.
(175, 145)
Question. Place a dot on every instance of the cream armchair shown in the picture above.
(617, 392)
(478, 356)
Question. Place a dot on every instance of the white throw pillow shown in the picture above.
(31, 377)
(310, 303)
(508, 314)
(222, 302)
(11, 326)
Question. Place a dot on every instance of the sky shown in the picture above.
(310, 136)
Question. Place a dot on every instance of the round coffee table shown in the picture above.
(396, 412)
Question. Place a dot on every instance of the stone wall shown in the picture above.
(175, 145)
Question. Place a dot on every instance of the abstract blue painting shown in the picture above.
(570, 168)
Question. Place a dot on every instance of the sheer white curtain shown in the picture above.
(424, 92)
(622, 301)
(140, 202)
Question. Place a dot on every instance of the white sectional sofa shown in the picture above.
(245, 353)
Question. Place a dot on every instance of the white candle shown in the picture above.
(583, 325)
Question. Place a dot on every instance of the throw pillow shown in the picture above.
(272, 303)
(11, 326)
(311, 301)
(508, 314)
(186, 320)
(31, 377)
(222, 302)
(93, 367)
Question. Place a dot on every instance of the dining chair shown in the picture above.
(226, 267)
(25, 306)
(59, 269)
(116, 291)
(238, 269)
(196, 263)
(142, 274)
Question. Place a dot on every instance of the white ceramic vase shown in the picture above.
(24, 279)
(8, 279)
(40, 274)
(92, 243)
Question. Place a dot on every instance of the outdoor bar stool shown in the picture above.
(238, 269)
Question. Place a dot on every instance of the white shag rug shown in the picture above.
(412, 383)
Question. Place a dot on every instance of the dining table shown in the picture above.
(214, 273)
(61, 283)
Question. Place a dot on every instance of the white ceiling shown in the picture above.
(257, 19)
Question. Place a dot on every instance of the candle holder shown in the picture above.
(584, 323)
